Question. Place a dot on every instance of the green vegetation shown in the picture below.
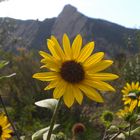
(21, 92)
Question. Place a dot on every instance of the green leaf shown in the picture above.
(123, 136)
(47, 103)
(136, 131)
(39, 134)
(7, 76)
(3, 63)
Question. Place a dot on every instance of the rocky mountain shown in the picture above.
(32, 34)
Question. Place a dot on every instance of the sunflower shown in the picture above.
(123, 112)
(131, 95)
(74, 71)
(4, 128)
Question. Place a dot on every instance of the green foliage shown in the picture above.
(21, 91)
(131, 118)
(131, 71)
(3, 63)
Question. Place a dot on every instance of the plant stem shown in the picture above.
(115, 135)
(6, 113)
(129, 131)
(53, 119)
(104, 136)
(112, 138)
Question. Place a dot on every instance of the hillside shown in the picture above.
(31, 34)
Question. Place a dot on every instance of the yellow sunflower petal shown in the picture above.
(46, 55)
(3, 121)
(124, 92)
(128, 86)
(46, 76)
(60, 89)
(78, 95)
(99, 85)
(133, 105)
(66, 46)
(58, 48)
(45, 61)
(52, 84)
(93, 59)
(124, 98)
(133, 86)
(136, 85)
(52, 49)
(104, 76)
(76, 46)
(139, 103)
(1, 115)
(100, 66)
(50, 62)
(7, 131)
(127, 101)
(5, 136)
(68, 96)
(6, 126)
(86, 52)
(125, 88)
(91, 93)
(51, 66)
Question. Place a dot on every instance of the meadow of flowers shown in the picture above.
(88, 96)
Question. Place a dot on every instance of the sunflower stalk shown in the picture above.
(115, 136)
(6, 113)
(129, 134)
(105, 132)
(121, 131)
(53, 119)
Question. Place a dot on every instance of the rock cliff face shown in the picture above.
(69, 21)
(32, 34)
(17, 33)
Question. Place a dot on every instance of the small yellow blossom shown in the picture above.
(5, 131)
(131, 95)
(123, 112)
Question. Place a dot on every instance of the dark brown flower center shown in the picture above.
(78, 128)
(72, 72)
(0, 130)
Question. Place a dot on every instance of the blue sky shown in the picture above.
(123, 12)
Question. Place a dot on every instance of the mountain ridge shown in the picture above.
(32, 34)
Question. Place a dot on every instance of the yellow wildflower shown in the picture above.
(5, 131)
(74, 71)
(131, 95)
